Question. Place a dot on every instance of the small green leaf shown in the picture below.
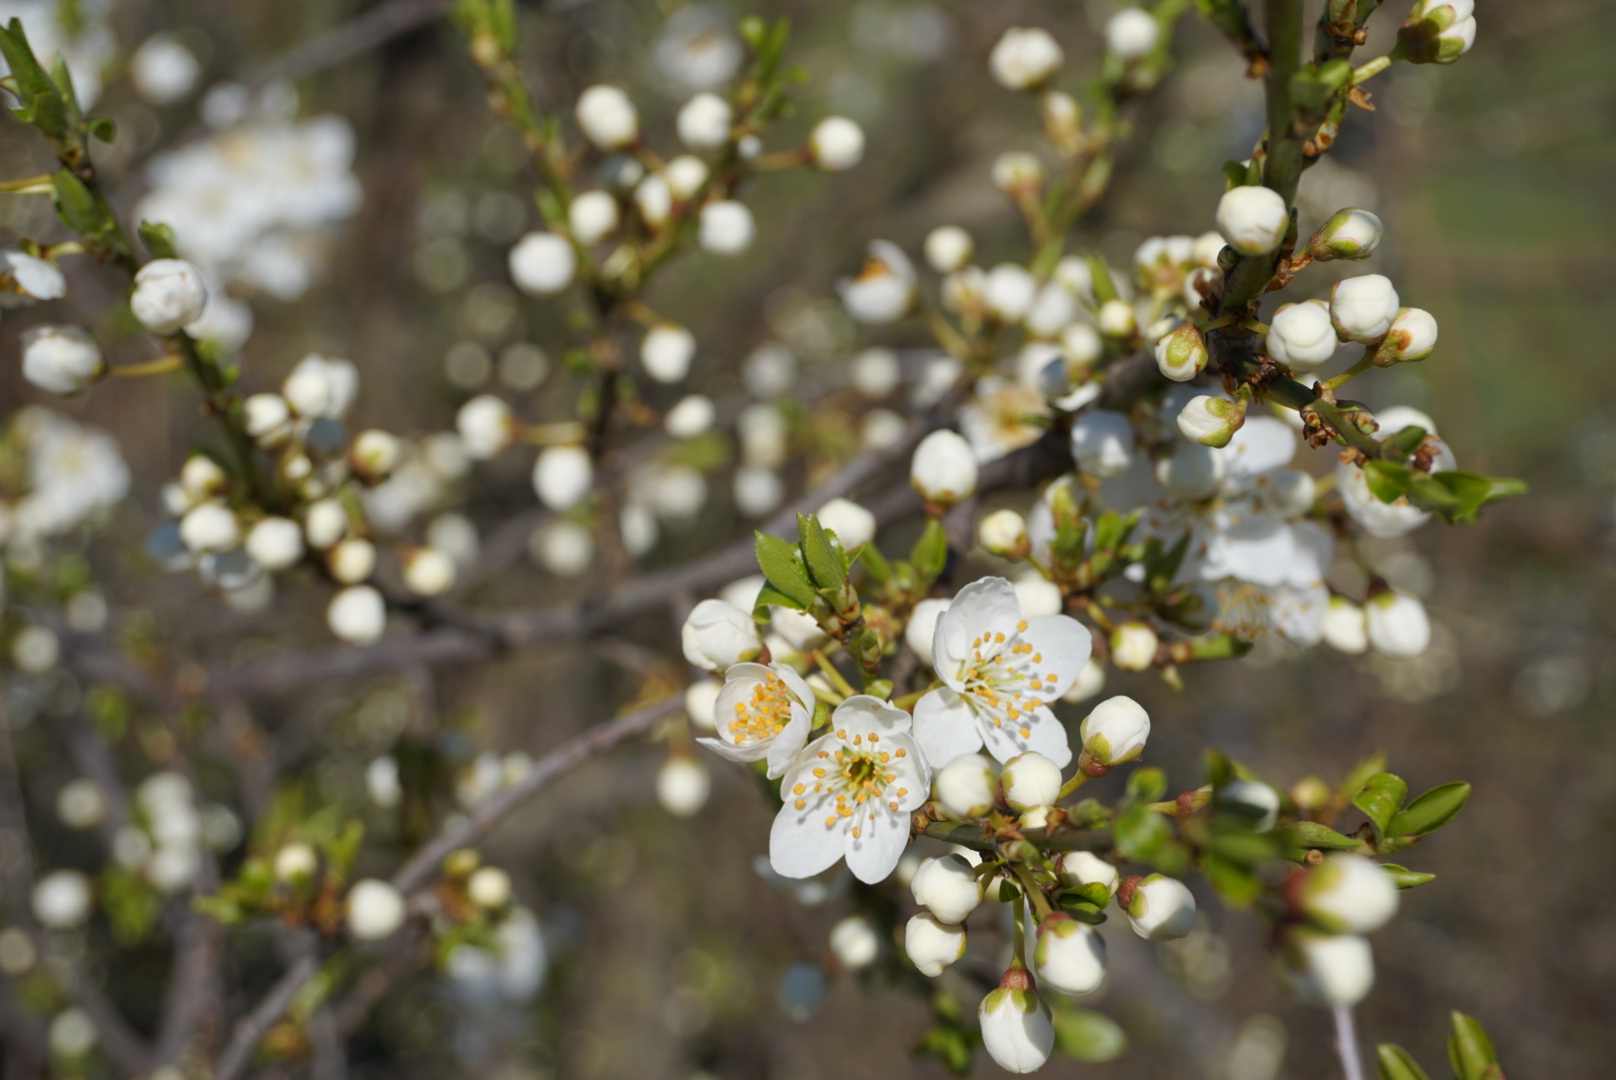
(1219, 769)
(76, 206)
(1360, 774)
(1381, 798)
(1470, 1051)
(1406, 878)
(1395, 1064)
(1387, 480)
(1087, 1035)
(777, 559)
(1430, 811)
(1313, 835)
(1081, 907)
(1147, 784)
(1238, 886)
(824, 563)
(1141, 834)
(158, 238)
(1408, 440)
(875, 564)
(769, 597)
(930, 553)
(1102, 287)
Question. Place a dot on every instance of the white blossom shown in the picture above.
(275, 543)
(1004, 533)
(267, 418)
(62, 360)
(691, 416)
(168, 294)
(1114, 732)
(1412, 337)
(1329, 969)
(684, 176)
(682, 785)
(1029, 780)
(1009, 291)
(967, 787)
(726, 228)
(1132, 33)
(375, 910)
(357, 615)
(717, 636)
(667, 351)
(1397, 624)
(1086, 868)
(320, 387)
(542, 263)
(1253, 219)
(592, 217)
(653, 198)
(999, 672)
(1301, 336)
(489, 888)
(932, 944)
(762, 712)
(607, 117)
(704, 121)
(948, 887)
(849, 794)
(163, 70)
(836, 144)
(1102, 443)
(1116, 319)
(948, 248)
(853, 525)
(1017, 1029)
(562, 476)
(1347, 894)
(25, 278)
(1160, 908)
(1346, 628)
(1363, 308)
(855, 942)
(209, 526)
(62, 899)
(944, 468)
(1025, 58)
(922, 626)
(884, 291)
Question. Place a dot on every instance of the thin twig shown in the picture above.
(1346, 1043)
(251, 1029)
(375, 27)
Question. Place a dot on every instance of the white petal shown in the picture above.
(945, 727)
(800, 843)
(755, 752)
(882, 838)
(1262, 444)
(983, 607)
(1045, 735)
(796, 684)
(1065, 645)
(785, 746)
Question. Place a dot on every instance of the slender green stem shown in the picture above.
(1019, 910)
(160, 366)
(27, 185)
(1078, 779)
(1368, 71)
(1353, 372)
(1029, 885)
(843, 687)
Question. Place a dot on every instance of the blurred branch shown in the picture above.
(375, 27)
(251, 1029)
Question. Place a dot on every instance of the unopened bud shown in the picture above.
(1182, 354)
(542, 263)
(1004, 533)
(1412, 337)
(1438, 31)
(855, 942)
(1115, 732)
(1069, 956)
(489, 888)
(1086, 868)
(357, 614)
(608, 117)
(1397, 624)
(169, 294)
(836, 144)
(1210, 421)
(1252, 801)
(948, 248)
(1301, 336)
(1018, 172)
(1132, 33)
(1328, 969)
(1346, 894)
(1363, 308)
(63, 360)
(1028, 780)
(375, 910)
(1349, 234)
(1025, 58)
(296, 863)
(1159, 908)
(1116, 319)
(562, 476)
(932, 944)
(1017, 1030)
(1253, 219)
(726, 228)
(944, 468)
(1133, 646)
(682, 785)
(947, 886)
(718, 635)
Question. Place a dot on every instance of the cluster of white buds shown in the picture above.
(1324, 955)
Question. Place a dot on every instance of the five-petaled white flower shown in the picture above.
(999, 671)
(849, 794)
(763, 711)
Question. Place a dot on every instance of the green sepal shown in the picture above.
(1394, 1063)
(930, 554)
(1404, 878)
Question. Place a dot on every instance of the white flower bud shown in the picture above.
(1412, 337)
(352, 561)
(1017, 1030)
(718, 635)
(1116, 319)
(693, 415)
(855, 942)
(35, 649)
(853, 525)
(757, 490)
(296, 863)
(922, 627)
(72, 1034)
(1160, 908)
(542, 263)
(1089, 681)
(1253, 219)
(1206, 249)
(1347, 894)
(1210, 421)
(654, 199)
(1025, 58)
(1348, 234)
(1053, 309)
(931, 944)
(62, 899)
(1069, 956)
(592, 217)
(948, 248)
(209, 526)
(169, 294)
(324, 523)
(429, 571)
(267, 418)
(357, 615)
(608, 117)
(962, 290)
(1346, 629)
(1182, 354)
(375, 910)
(62, 360)
(1363, 308)
(1301, 336)
(1004, 533)
(202, 477)
(1114, 732)
(81, 804)
(1397, 624)
(375, 454)
(947, 886)
(1133, 646)
(1030, 779)
(1438, 31)
(489, 888)
(704, 122)
(701, 701)
(836, 144)
(1037, 595)
(1253, 801)
(1018, 171)
(1132, 33)
(562, 476)
(1082, 345)
(727, 228)
(944, 468)
(1009, 291)
(875, 373)
(1191, 472)
(275, 543)
(684, 176)
(1086, 868)
(966, 787)
(1329, 970)
(1102, 443)
(682, 785)
(162, 70)
(667, 351)
(884, 291)
(31, 276)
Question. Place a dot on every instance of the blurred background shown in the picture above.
(668, 954)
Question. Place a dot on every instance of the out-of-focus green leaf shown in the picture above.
(1430, 811)
(1470, 1051)
(1380, 798)
(1394, 1063)
(1085, 1034)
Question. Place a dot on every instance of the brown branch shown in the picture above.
(359, 35)
(251, 1029)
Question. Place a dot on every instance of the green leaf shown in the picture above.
(1470, 1051)
(1360, 774)
(79, 210)
(1141, 834)
(1406, 878)
(1147, 784)
(1219, 769)
(1245, 847)
(158, 238)
(1103, 288)
(1085, 1034)
(1238, 886)
(1430, 811)
(824, 563)
(875, 564)
(1380, 798)
(1081, 907)
(1395, 1064)
(1458, 495)
(930, 554)
(1314, 835)
(777, 559)
(769, 597)
(1388, 481)
(42, 103)
(1408, 440)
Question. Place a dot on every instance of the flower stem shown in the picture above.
(1346, 1044)
(1078, 780)
(844, 687)
(1019, 906)
(160, 366)
(908, 701)
(27, 185)
(1370, 70)
(1352, 372)
(1036, 895)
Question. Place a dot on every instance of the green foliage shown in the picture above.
(783, 568)
(1380, 798)
(1394, 1063)
(1430, 811)
(1084, 1034)
(1470, 1055)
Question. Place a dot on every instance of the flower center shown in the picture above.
(1001, 679)
(856, 774)
(765, 715)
